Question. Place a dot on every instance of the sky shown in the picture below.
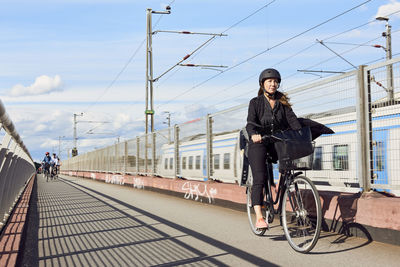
(64, 57)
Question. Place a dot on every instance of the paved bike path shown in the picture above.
(88, 223)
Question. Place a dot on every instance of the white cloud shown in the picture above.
(121, 120)
(40, 128)
(42, 85)
(387, 9)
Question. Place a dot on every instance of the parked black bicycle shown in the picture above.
(297, 200)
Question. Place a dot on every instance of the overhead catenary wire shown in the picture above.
(123, 68)
(253, 75)
(310, 67)
(208, 42)
(184, 58)
(335, 35)
(266, 50)
(237, 23)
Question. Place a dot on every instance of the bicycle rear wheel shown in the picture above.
(301, 214)
(252, 215)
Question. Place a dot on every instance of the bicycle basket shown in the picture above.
(303, 163)
(294, 144)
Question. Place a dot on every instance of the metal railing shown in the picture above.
(16, 166)
(362, 154)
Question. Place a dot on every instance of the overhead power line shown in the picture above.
(301, 51)
(266, 50)
(124, 67)
(209, 41)
(309, 67)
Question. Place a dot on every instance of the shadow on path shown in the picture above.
(71, 227)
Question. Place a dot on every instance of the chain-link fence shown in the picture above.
(384, 119)
(360, 106)
(332, 102)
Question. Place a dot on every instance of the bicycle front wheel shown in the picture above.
(301, 214)
(252, 215)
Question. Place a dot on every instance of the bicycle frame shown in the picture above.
(285, 178)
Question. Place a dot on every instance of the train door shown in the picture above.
(380, 153)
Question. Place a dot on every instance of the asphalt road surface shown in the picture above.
(81, 222)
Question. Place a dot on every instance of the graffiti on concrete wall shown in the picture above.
(115, 179)
(138, 183)
(198, 192)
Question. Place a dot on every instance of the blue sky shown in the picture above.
(63, 57)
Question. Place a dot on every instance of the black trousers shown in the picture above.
(258, 155)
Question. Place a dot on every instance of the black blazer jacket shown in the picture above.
(281, 117)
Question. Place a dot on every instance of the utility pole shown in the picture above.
(59, 145)
(149, 79)
(149, 68)
(75, 149)
(389, 68)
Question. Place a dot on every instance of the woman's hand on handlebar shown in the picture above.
(256, 138)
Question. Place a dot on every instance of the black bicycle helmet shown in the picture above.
(269, 73)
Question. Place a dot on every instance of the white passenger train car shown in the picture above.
(335, 156)
(193, 155)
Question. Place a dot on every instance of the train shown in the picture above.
(334, 165)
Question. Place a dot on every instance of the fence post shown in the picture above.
(153, 160)
(125, 156)
(209, 122)
(363, 129)
(176, 151)
(115, 159)
(137, 154)
(146, 144)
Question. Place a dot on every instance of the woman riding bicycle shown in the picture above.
(270, 109)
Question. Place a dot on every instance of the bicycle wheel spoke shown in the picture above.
(301, 214)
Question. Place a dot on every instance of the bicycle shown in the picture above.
(46, 172)
(299, 205)
(54, 172)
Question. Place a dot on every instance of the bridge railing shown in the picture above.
(16, 166)
(362, 107)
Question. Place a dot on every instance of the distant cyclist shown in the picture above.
(58, 164)
(54, 165)
(46, 162)
(270, 109)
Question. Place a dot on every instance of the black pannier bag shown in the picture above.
(295, 144)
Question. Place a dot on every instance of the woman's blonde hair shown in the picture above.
(282, 97)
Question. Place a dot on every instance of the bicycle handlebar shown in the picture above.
(266, 136)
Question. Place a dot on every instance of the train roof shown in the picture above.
(202, 135)
(380, 103)
(332, 112)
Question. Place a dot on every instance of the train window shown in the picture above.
(227, 159)
(341, 157)
(190, 162)
(317, 163)
(171, 163)
(380, 156)
(198, 158)
(216, 161)
(166, 164)
(184, 163)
